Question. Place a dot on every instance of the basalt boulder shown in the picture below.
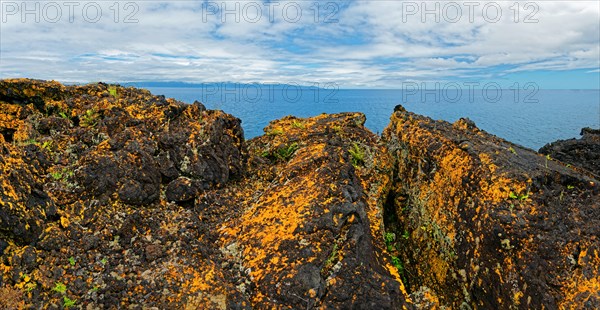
(583, 153)
(103, 140)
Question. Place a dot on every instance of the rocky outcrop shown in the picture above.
(583, 153)
(114, 198)
(101, 142)
(489, 224)
(311, 233)
(84, 214)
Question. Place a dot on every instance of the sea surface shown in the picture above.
(527, 117)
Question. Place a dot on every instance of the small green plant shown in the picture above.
(27, 142)
(69, 173)
(512, 150)
(389, 239)
(275, 132)
(72, 261)
(89, 119)
(405, 235)
(398, 264)
(570, 187)
(60, 288)
(56, 175)
(548, 158)
(286, 152)
(63, 115)
(67, 302)
(104, 261)
(357, 155)
(62, 175)
(112, 90)
(95, 289)
(332, 256)
(298, 124)
(520, 197)
(47, 145)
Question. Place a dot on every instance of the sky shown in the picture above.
(352, 44)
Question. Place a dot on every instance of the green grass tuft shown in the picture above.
(286, 152)
(112, 90)
(298, 124)
(90, 118)
(357, 155)
(68, 303)
(332, 256)
(60, 288)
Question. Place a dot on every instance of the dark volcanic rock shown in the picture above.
(584, 152)
(24, 206)
(182, 189)
(489, 224)
(82, 172)
(113, 198)
(311, 235)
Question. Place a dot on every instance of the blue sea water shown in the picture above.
(529, 118)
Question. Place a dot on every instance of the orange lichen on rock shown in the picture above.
(111, 197)
(313, 237)
(84, 175)
(485, 223)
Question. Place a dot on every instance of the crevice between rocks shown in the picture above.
(396, 235)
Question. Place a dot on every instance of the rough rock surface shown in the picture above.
(83, 211)
(113, 198)
(489, 224)
(311, 234)
(584, 152)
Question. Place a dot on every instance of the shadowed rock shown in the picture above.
(584, 152)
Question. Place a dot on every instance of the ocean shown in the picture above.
(530, 118)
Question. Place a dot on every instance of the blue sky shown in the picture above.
(354, 44)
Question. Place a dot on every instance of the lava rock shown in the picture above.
(24, 206)
(320, 235)
(492, 225)
(584, 152)
(181, 189)
(153, 252)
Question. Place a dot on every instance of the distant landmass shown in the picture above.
(214, 85)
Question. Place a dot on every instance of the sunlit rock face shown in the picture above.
(492, 224)
(311, 234)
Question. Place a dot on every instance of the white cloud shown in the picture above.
(371, 45)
